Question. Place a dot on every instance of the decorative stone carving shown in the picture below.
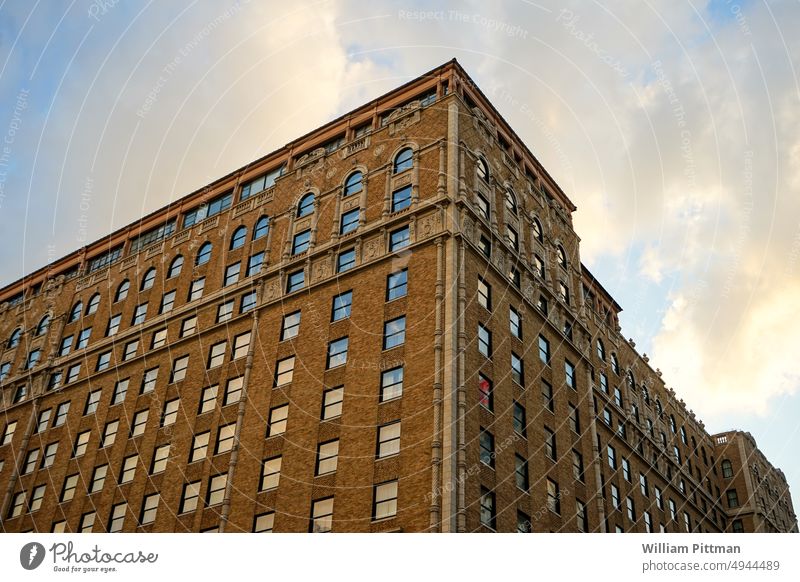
(321, 270)
(372, 248)
(430, 224)
(469, 228)
(272, 290)
(378, 150)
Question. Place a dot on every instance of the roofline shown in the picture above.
(594, 281)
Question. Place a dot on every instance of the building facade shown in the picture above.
(383, 326)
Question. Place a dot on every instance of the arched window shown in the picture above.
(562, 256)
(537, 230)
(122, 291)
(511, 201)
(614, 363)
(204, 254)
(353, 184)
(93, 304)
(175, 267)
(483, 169)
(262, 228)
(306, 205)
(77, 309)
(601, 350)
(631, 381)
(238, 238)
(672, 426)
(727, 469)
(13, 340)
(149, 278)
(645, 394)
(403, 161)
(659, 408)
(44, 324)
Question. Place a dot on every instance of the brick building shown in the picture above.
(384, 325)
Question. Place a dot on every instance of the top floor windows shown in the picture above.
(105, 259)
(261, 183)
(208, 209)
(353, 184)
(306, 205)
(151, 236)
(403, 161)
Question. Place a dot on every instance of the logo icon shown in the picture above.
(31, 555)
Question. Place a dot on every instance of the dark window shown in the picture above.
(401, 199)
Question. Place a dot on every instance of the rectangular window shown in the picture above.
(569, 373)
(484, 341)
(391, 384)
(483, 206)
(394, 333)
(225, 439)
(550, 444)
(241, 345)
(520, 420)
(139, 423)
(648, 522)
(224, 311)
(515, 323)
(188, 326)
(485, 246)
(673, 510)
(8, 432)
(659, 498)
(604, 382)
(81, 444)
(261, 183)
(346, 260)
(196, 289)
(277, 420)
(547, 396)
(216, 355)
(291, 325)
(321, 515)
(98, 478)
(248, 302)
(179, 367)
(66, 344)
(580, 516)
(544, 350)
(284, 371)
(109, 434)
(73, 372)
(553, 497)
(296, 281)
(521, 473)
(643, 484)
(512, 237)
(120, 391)
(327, 458)
(199, 447)
(83, 338)
(130, 350)
(167, 302)
(574, 419)
(524, 524)
(113, 324)
(487, 510)
(577, 465)
(399, 239)
(149, 509)
(264, 523)
(385, 501)
(216, 489)
(615, 498)
(91, 402)
(233, 391)
(191, 493)
(301, 242)
(485, 392)
(626, 470)
(170, 413)
(231, 274)
(149, 380)
(332, 403)
(61, 414)
(631, 509)
(484, 294)
(17, 504)
(44, 420)
(337, 353)
(208, 399)
(49, 455)
(207, 209)
(255, 263)
(159, 338)
(139, 314)
(401, 199)
(270, 474)
(517, 369)
(388, 440)
(37, 496)
(129, 469)
(487, 448)
(68, 491)
(733, 498)
(87, 522)
(611, 453)
(397, 285)
(349, 221)
(342, 304)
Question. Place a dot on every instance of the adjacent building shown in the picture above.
(384, 325)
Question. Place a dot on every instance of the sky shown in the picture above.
(673, 126)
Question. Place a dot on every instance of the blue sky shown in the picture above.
(672, 126)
